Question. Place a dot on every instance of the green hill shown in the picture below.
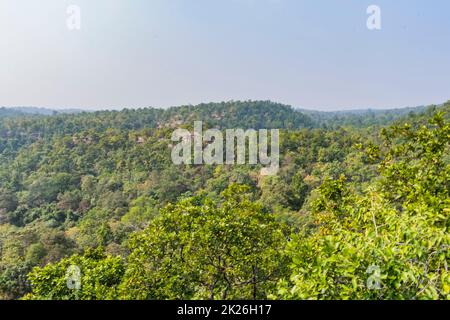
(99, 190)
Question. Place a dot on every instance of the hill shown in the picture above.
(99, 190)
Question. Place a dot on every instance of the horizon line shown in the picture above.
(297, 108)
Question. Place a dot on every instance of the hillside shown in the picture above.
(99, 190)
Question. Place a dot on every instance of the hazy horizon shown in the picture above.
(319, 109)
(163, 53)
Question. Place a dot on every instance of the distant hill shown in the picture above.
(236, 114)
(361, 118)
(70, 183)
(249, 114)
(26, 125)
(20, 111)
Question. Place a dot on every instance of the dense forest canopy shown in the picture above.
(359, 209)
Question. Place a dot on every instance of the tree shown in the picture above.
(92, 276)
(13, 281)
(390, 242)
(8, 203)
(199, 249)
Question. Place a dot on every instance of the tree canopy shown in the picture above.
(92, 207)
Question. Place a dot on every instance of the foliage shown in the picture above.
(99, 278)
(390, 242)
(199, 249)
(364, 203)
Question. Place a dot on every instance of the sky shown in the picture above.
(312, 54)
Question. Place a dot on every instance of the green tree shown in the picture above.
(200, 249)
(390, 242)
(98, 278)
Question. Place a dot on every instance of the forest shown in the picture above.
(92, 207)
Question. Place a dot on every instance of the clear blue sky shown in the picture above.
(313, 54)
